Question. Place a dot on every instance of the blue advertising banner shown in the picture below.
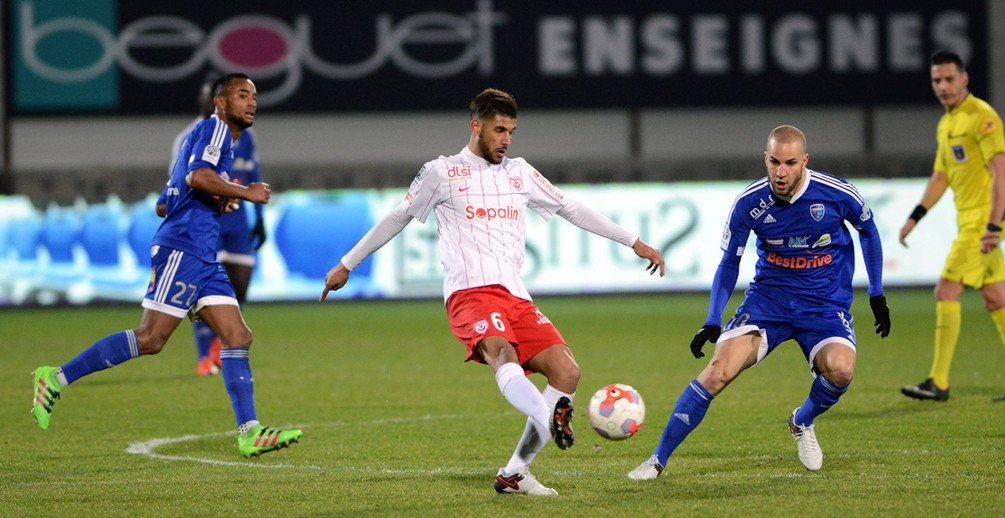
(126, 57)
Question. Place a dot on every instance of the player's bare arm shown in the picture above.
(207, 180)
(643, 250)
(992, 238)
(936, 187)
(335, 279)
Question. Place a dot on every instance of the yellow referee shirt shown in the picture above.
(968, 136)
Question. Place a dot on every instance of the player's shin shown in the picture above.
(107, 352)
(236, 371)
(524, 396)
(687, 413)
(823, 395)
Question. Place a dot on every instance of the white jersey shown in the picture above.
(480, 211)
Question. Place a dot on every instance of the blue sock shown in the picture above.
(687, 413)
(823, 395)
(203, 337)
(107, 352)
(236, 370)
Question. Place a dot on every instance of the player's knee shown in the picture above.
(566, 377)
(242, 338)
(715, 377)
(150, 341)
(840, 374)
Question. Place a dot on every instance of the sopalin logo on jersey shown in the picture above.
(73, 47)
(64, 54)
(492, 213)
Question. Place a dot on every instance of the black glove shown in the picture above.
(258, 235)
(707, 333)
(882, 313)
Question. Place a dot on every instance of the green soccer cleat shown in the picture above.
(46, 393)
(261, 439)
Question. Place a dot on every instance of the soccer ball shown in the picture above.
(616, 411)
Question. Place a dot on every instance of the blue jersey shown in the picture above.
(192, 222)
(245, 171)
(805, 252)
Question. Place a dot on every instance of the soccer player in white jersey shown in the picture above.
(480, 198)
(801, 291)
(186, 278)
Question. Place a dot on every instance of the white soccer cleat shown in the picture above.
(806, 442)
(648, 470)
(523, 483)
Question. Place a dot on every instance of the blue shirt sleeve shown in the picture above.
(722, 287)
(872, 252)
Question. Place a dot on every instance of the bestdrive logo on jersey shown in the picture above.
(490, 213)
(799, 263)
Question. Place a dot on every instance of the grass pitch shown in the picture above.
(395, 424)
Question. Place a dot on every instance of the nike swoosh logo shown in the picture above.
(462, 189)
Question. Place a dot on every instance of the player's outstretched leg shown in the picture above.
(687, 413)
(561, 423)
(262, 439)
(806, 442)
(47, 389)
(521, 482)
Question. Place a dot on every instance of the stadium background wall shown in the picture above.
(94, 92)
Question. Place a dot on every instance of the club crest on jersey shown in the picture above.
(481, 326)
(817, 211)
(516, 183)
(959, 153)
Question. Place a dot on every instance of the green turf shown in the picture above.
(395, 424)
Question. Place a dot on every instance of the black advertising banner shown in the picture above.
(117, 57)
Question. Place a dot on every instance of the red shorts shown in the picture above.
(475, 313)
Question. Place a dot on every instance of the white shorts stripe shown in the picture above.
(167, 278)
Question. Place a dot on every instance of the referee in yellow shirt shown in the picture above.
(970, 160)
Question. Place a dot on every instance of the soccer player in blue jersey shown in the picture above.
(801, 291)
(186, 278)
(238, 240)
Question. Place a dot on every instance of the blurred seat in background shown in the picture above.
(315, 230)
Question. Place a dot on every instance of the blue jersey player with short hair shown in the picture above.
(186, 277)
(238, 240)
(801, 290)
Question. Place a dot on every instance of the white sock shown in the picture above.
(243, 429)
(523, 395)
(531, 442)
(61, 377)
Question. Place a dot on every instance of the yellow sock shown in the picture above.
(998, 316)
(947, 330)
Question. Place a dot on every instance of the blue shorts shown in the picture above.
(182, 284)
(810, 329)
(234, 244)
